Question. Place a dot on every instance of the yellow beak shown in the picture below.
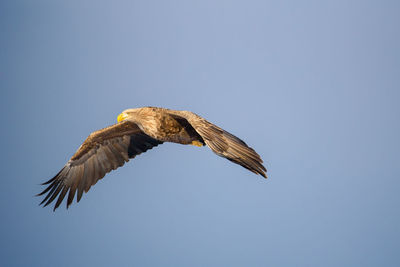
(122, 117)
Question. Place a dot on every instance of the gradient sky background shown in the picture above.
(313, 86)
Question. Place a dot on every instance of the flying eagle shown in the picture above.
(137, 131)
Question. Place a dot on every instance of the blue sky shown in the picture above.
(313, 86)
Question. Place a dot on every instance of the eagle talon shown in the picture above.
(197, 143)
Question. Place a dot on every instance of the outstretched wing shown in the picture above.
(224, 143)
(103, 151)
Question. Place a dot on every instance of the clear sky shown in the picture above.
(313, 86)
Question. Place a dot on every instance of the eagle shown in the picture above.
(137, 131)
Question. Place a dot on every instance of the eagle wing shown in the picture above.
(224, 143)
(103, 151)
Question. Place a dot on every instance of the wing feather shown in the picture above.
(90, 175)
(102, 152)
(224, 143)
(76, 172)
(111, 157)
(96, 170)
(81, 182)
(55, 193)
(104, 160)
(61, 196)
(118, 155)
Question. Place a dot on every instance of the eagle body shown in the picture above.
(137, 131)
(162, 124)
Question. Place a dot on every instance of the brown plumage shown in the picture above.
(137, 131)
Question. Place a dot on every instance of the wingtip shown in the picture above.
(263, 174)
